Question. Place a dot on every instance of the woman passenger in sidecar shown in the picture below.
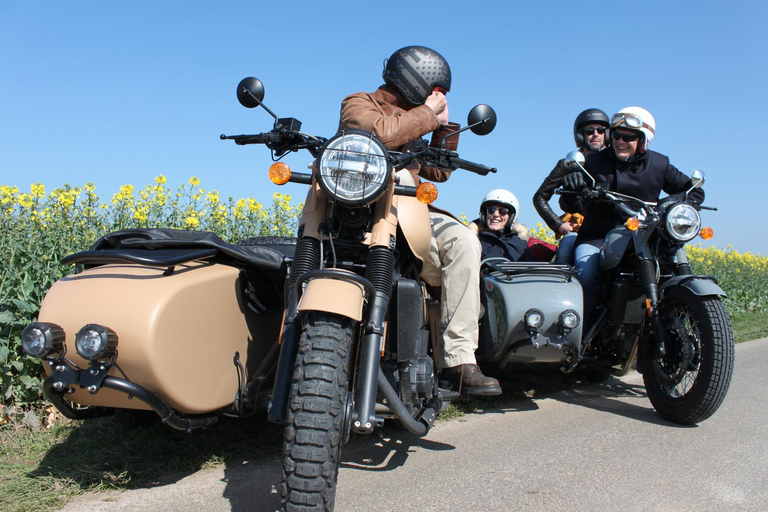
(497, 230)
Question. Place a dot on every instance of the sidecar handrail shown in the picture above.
(514, 268)
(157, 257)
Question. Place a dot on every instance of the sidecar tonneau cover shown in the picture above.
(168, 247)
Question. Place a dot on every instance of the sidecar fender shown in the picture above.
(698, 285)
(337, 296)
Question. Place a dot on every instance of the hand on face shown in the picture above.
(439, 105)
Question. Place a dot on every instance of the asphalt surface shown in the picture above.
(593, 448)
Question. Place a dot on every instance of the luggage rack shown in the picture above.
(517, 268)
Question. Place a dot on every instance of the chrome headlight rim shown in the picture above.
(95, 342)
(672, 222)
(367, 168)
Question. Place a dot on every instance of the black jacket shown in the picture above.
(544, 194)
(507, 245)
(644, 177)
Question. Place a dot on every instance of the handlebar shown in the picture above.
(480, 169)
(280, 141)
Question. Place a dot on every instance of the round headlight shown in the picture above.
(534, 318)
(94, 342)
(683, 222)
(354, 168)
(39, 339)
(569, 319)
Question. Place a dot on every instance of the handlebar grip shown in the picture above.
(261, 138)
(480, 169)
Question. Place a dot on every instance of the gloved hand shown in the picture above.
(574, 181)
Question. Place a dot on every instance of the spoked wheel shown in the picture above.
(317, 413)
(688, 383)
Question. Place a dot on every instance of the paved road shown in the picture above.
(594, 448)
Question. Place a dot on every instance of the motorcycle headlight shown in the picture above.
(682, 222)
(94, 342)
(354, 168)
(40, 339)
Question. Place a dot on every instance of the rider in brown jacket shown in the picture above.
(410, 105)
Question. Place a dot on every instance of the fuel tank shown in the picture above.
(178, 331)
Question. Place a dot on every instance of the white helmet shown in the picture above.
(502, 197)
(636, 119)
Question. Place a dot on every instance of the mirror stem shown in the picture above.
(259, 103)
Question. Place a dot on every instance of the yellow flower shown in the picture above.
(38, 190)
(26, 200)
(194, 181)
(192, 222)
(160, 179)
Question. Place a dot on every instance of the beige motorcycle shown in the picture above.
(330, 333)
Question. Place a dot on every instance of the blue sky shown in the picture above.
(120, 92)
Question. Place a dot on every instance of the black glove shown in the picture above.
(574, 181)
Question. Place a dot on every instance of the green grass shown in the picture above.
(43, 470)
(750, 326)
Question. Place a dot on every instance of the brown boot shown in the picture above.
(467, 378)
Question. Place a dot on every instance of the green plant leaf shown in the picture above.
(25, 306)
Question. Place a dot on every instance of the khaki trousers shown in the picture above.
(454, 265)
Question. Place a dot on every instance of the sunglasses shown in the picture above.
(590, 131)
(626, 137)
(493, 209)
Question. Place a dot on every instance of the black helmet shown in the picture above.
(414, 71)
(591, 115)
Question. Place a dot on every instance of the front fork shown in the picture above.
(650, 284)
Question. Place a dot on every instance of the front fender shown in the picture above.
(698, 285)
(337, 296)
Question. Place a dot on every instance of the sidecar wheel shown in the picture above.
(317, 404)
(688, 384)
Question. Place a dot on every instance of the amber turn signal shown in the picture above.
(632, 223)
(426, 193)
(707, 233)
(279, 173)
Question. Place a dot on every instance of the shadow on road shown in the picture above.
(610, 397)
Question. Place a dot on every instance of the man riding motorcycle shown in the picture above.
(590, 132)
(627, 167)
(408, 106)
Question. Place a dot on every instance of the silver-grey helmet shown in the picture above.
(414, 72)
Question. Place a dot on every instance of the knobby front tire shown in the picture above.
(318, 397)
(688, 384)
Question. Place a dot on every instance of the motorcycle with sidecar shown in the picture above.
(335, 331)
(651, 309)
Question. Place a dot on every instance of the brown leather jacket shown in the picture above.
(397, 124)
